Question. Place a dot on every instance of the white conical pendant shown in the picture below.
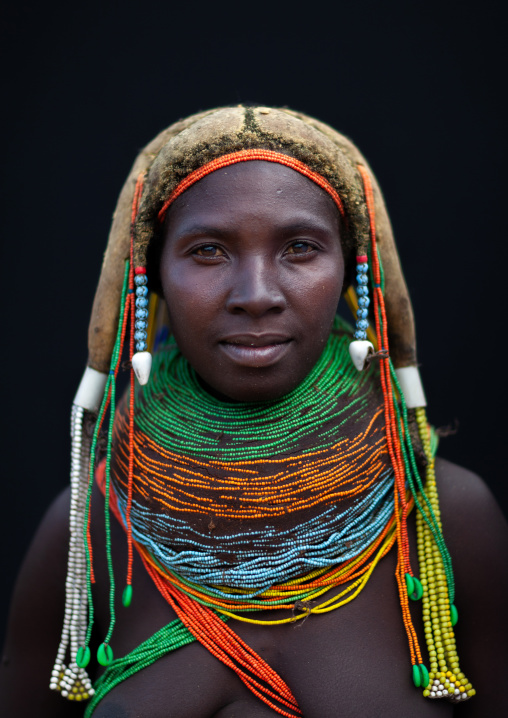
(359, 351)
(142, 364)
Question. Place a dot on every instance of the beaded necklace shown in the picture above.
(319, 497)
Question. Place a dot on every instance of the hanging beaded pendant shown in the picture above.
(360, 349)
(142, 359)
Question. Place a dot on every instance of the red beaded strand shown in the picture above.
(392, 436)
(225, 645)
(135, 207)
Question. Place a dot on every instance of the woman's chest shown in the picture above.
(353, 661)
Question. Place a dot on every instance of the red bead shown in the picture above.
(361, 259)
(140, 270)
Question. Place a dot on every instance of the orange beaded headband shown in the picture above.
(245, 156)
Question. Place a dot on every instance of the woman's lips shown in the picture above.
(255, 350)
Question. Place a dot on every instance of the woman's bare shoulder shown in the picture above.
(35, 622)
(476, 533)
(471, 514)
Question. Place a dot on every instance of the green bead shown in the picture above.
(83, 656)
(454, 614)
(409, 584)
(418, 590)
(127, 596)
(425, 679)
(417, 676)
(104, 654)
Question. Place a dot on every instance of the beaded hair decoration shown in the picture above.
(170, 164)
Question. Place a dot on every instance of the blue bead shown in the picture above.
(141, 291)
(362, 314)
(359, 334)
(364, 267)
(141, 313)
(140, 336)
(141, 324)
(140, 279)
(363, 302)
(141, 302)
(362, 324)
(141, 346)
(362, 290)
(362, 278)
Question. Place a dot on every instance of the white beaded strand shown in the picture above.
(72, 681)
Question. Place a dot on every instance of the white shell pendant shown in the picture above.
(359, 351)
(142, 364)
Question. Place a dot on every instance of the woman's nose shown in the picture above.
(256, 288)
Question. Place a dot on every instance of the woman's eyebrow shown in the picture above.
(299, 227)
(202, 230)
(284, 228)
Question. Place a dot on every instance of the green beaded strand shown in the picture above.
(198, 421)
(167, 639)
(108, 391)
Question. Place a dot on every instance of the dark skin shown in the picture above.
(252, 273)
(351, 662)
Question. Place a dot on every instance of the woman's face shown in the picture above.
(252, 272)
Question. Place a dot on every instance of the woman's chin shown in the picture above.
(259, 386)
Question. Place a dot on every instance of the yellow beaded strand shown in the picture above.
(446, 678)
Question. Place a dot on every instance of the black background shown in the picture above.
(419, 86)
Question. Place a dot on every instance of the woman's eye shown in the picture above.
(209, 250)
(300, 248)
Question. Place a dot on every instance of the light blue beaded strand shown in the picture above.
(362, 291)
(141, 313)
(260, 558)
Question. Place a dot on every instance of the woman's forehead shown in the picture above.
(254, 187)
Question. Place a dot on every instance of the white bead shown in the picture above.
(464, 696)
(358, 351)
(91, 389)
(411, 385)
(432, 694)
(440, 686)
(457, 692)
(142, 365)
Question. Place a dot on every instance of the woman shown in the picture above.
(266, 474)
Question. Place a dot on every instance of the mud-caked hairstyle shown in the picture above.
(180, 151)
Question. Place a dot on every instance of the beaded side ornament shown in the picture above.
(142, 359)
(360, 348)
